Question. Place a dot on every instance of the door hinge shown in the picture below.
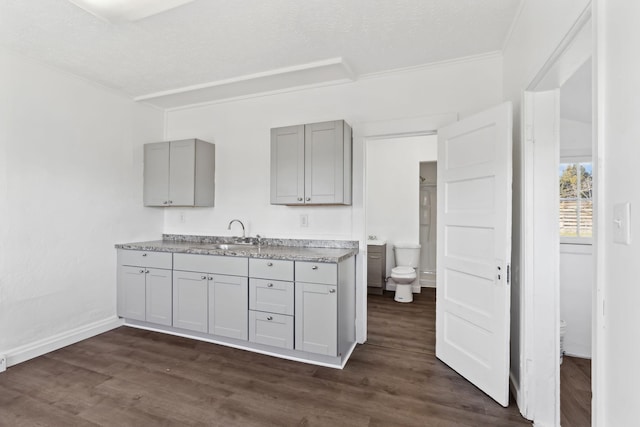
(508, 273)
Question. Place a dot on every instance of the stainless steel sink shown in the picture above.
(229, 246)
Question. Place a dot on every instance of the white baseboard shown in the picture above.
(55, 342)
(515, 391)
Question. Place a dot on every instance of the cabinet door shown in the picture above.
(287, 165)
(324, 162)
(158, 294)
(229, 306)
(132, 292)
(156, 174)
(316, 318)
(182, 173)
(190, 300)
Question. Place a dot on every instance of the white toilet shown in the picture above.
(407, 257)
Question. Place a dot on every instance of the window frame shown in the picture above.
(577, 159)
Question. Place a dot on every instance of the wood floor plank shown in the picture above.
(133, 377)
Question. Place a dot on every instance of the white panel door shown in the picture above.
(474, 249)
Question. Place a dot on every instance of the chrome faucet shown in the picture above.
(241, 224)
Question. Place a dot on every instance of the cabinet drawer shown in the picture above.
(376, 249)
(232, 266)
(272, 296)
(317, 272)
(145, 258)
(271, 269)
(271, 329)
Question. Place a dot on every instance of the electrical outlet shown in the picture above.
(183, 217)
(3, 363)
(304, 220)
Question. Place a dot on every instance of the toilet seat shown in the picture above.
(402, 270)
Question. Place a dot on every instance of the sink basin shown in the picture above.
(229, 246)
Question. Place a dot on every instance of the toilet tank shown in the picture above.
(407, 254)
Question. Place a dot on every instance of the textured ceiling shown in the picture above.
(211, 40)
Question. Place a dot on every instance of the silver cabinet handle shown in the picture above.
(269, 264)
(270, 285)
(315, 267)
(332, 291)
(308, 199)
(170, 202)
(269, 318)
(210, 278)
(203, 277)
(299, 199)
(146, 271)
(165, 202)
(141, 270)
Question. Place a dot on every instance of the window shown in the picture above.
(576, 204)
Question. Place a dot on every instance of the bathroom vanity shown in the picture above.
(293, 299)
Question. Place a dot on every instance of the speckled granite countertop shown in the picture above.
(281, 249)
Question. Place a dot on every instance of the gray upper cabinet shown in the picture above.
(179, 173)
(311, 164)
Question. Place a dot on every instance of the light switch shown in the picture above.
(621, 226)
(304, 220)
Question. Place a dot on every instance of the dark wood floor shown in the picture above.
(130, 377)
(575, 392)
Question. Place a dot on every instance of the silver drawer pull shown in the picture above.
(269, 264)
(308, 199)
(332, 291)
(144, 254)
(269, 318)
(315, 267)
(270, 285)
(203, 277)
(299, 199)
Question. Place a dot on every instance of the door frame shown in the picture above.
(539, 398)
(369, 131)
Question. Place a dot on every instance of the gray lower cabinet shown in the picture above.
(317, 318)
(271, 299)
(311, 164)
(179, 173)
(144, 293)
(244, 299)
(228, 313)
(376, 266)
(190, 300)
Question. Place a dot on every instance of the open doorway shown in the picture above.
(576, 247)
(559, 172)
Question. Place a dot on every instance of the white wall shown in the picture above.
(619, 132)
(240, 130)
(576, 287)
(70, 188)
(575, 138)
(393, 188)
(538, 30)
